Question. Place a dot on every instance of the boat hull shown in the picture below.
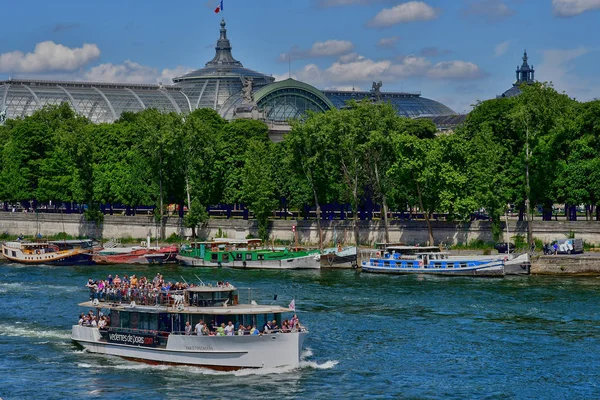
(333, 260)
(217, 352)
(306, 262)
(61, 258)
(149, 258)
(519, 265)
(492, 269)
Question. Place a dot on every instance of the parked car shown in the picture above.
(502, 247)
(480, 216)
(567, 246)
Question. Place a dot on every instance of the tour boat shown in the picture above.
(430, 261)
(49, 253)
(246, 254)
(136, 255)
(150, 326)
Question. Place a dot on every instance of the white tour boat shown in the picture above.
(150, 326)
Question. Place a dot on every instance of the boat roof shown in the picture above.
(71, 241)
(421, 249)
(211, 289)
(229, 241)
(219, 310)
(18, 245)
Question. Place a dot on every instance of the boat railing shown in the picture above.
(141, 297)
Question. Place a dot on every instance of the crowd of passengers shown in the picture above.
(202, 329)
(90, 319)
(142, 290)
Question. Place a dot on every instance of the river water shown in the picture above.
(371, 337)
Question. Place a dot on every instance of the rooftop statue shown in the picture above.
(376, 91)
(247, 95)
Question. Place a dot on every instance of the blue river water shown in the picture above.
(371, 336)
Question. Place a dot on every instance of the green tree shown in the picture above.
(258, 185)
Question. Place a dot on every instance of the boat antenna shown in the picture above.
(199, 280)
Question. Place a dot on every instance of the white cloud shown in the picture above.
(132, 72)
(335, 3)
(49, 56)
(328, 48)
(357, 70)
(331, 48)
(388, 42)
(455, 69)
(557, 67)
(491, 10)
(570, 8)
(410, 66)
(354, 69)
(501, 48)
(405, 12)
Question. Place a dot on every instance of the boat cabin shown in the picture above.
(154, 315)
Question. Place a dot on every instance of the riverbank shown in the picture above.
(408, 232)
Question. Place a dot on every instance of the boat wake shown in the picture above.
(35, 287)
(23, 330)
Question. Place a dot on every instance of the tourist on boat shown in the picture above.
(229, 329)
(267, 327)
(285, 326)
(81, 319)
(117, 280)
(254, 331)
(188, 328)
(200, 328)
(241, 330)
(102, 323)
(221, 329)
(294, 322)
(110, 279)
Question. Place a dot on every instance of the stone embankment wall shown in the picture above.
(566, 265)
(409, 232)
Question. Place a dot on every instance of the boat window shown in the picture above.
(386, 263)
(14, 253)
(261, 256)
(238, 256)
(225, 257)
(463, 265)
(248, 256)
(214, 257)
(5, 251)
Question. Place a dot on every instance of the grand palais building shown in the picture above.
(224, 85)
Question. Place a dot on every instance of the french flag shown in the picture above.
(219, 8)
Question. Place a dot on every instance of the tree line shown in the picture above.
(539, 148)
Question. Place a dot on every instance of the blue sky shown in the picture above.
(453, 51)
